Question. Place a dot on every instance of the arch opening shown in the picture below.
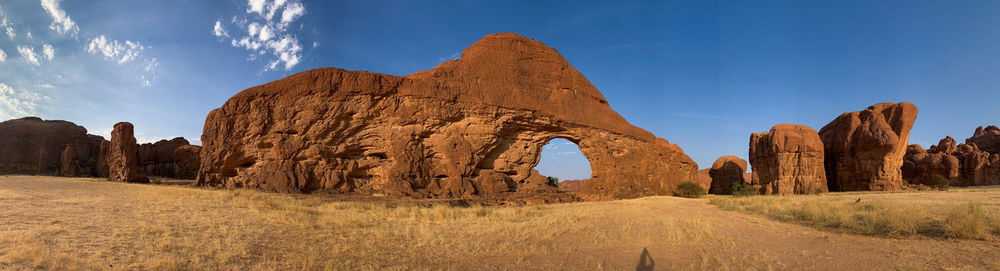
(562, 159)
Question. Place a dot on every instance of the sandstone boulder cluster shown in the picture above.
(470, 126)
(860, 150)
(53, 147)
(788, 160)
(963, 165)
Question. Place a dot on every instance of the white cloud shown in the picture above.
(14, 104)
(28, 54)
(61, 22)
(315, 44)
(29, 35)
(124, 52)
(256, 6)
(48, 86)
(115, 50)
(3, 56)
(454, 56)
(48, 51)
(7, 28)
(291, 13)
(218, 31)
(265, 35)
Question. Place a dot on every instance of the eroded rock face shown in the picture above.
(123, 161)
(920, 167)
(47, 147)
(157, 159)
(864, 150)
(187, 160)
(787, 160)
(987, 140)
(724, 172)
(471, 126)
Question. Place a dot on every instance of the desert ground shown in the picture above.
(54, 223)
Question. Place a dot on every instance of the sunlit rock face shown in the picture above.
(787, 160)
(47, 147)
(864, 149)
(470, 126)
(724, 172)
(123, 158)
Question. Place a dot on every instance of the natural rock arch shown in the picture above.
(471, 126)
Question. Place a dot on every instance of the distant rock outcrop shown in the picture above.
(470, 126)
(961, 165)
(788, 160)
(159, 159)
(187, 159)
(724, 172)
(572, 185)
(864, 150)
(123, 161)
(47, 147)
(987, 140)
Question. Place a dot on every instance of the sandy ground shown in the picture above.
(78, 223)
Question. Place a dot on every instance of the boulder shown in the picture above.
(187, 160)
(436, 133)
(987, 140)
(945, 146)
(978, 167)
(864, 150)
(724, 172)
(787, 160)
(123, 161)
(47, 147)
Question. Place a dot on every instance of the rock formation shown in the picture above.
(864, 150)
(920, 166)
(787, 160)
(47, 147)
(962, 165)
(157, 159)
(725, 171)
(186, 162)
(470, 126)
(572, 185)
(123, 161)
(987, 140)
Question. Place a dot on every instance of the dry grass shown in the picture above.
(180, 228)
(939, 214)
(83, 224)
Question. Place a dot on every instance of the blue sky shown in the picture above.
(703, 74)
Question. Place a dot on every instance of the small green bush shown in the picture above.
(689, 190)
(939, 182)
(552, 181)
(742, 189)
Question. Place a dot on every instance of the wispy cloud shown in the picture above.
(6, 26)
(48, 51)
(123, 52)
(14, 103)
(3, 56)
(453, 56)
(266, 34)
(61, 22)
(28, 54)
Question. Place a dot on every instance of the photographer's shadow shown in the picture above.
(646, 262)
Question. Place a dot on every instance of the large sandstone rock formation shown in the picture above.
(787, 160)
(123, 161)
(724, 172)
(964, 164)
(187, 159)
(158, 159)
(920, 166)
(47, 147)
(987, 140)
(865, 149)
(470, 126)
